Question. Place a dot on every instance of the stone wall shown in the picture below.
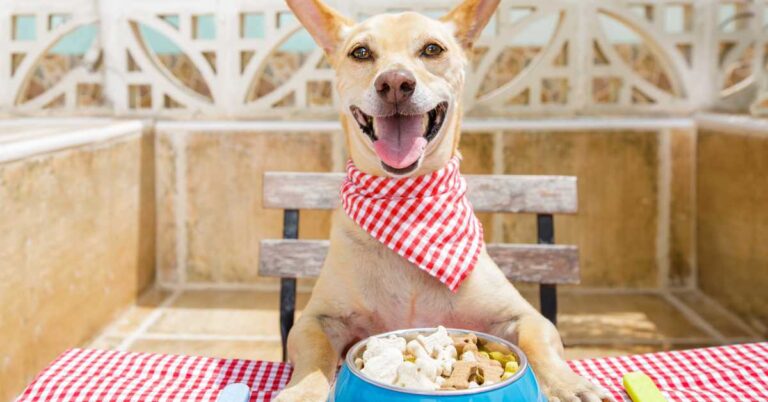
(732, 216)
(77, 246)
(634, 225)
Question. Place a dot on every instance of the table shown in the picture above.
(728, 373)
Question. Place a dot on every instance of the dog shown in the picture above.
(397, 70)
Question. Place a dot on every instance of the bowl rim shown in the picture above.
(353, 351)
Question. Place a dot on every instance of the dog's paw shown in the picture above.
(567, 386)
(301, 394)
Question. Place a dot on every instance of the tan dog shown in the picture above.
(399, 79)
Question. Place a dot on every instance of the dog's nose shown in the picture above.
(395, 86)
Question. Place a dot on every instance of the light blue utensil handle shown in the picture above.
(237, 392)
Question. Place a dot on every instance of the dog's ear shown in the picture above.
(469, 18)
(322, 22)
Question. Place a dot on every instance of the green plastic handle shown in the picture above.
(641, 388)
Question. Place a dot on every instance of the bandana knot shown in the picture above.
(426, 219)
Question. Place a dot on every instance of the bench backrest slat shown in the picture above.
(487, 193)
(554, 264)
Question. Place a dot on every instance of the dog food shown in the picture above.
(437, 361)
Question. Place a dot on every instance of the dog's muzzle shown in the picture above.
(401, 139)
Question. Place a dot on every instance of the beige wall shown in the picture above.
(681, 251)
(732, 211)
(211, 219)
(76, 246)
(633, 225)
(616, 226)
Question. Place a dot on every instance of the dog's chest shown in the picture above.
(395, 292)
(408, 297)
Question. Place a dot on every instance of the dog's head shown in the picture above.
(399, 80)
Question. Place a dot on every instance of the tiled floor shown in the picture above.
(244, 324)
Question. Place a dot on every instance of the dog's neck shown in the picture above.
(439, 152)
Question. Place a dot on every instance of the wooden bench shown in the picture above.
(544, 263)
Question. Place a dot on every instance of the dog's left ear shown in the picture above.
(323, 23)
(469, 18)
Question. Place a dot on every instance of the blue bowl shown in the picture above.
(353, 386)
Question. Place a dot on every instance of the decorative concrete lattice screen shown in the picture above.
(237, 58)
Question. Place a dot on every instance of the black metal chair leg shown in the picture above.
(288, 285)
(287, 310)
(545, 226)
(548, 300)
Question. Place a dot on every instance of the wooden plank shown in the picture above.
(537, 263)
(292, 258)
(529, 194)
(519, 262)
(488, 193)
(289, 190)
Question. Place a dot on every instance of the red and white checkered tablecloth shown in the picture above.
(736, 373)
(106, 376)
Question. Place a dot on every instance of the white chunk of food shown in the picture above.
(446, 358)
(383, 366)
(376, 345)
(419, 375)
(436, 342)
(443, 354)
(415, 348)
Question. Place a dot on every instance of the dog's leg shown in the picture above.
(538, 338)
(510, 316)
(314, 362)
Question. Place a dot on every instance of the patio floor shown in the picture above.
(597, 322)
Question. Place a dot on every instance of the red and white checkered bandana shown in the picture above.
(427, 219)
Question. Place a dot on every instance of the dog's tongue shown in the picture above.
(400, 140)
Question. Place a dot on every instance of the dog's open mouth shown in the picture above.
(400, 140)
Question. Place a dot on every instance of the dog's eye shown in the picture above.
(361, 53)
(432, 50)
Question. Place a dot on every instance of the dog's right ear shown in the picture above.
(323, 23)
(469, 18)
